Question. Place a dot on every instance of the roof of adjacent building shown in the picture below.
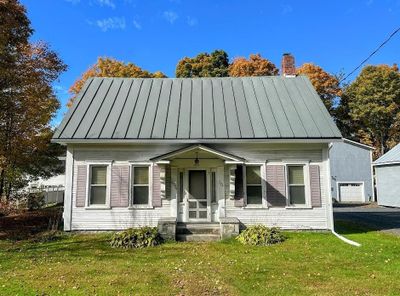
(273, 107)
(390, 157)
(358, 144)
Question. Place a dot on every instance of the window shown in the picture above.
(296, 185)
(140, 185)
(253, 185)
(98, 185)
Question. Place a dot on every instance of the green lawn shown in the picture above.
(306, 264)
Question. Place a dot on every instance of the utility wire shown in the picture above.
(373, 53)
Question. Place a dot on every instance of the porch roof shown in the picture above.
(229, 158)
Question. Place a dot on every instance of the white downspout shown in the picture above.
(329, 202)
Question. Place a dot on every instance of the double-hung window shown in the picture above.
(253, 185)
(98, 185)
(296, 185)
(140, 185)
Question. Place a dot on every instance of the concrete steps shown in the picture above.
(198, 232)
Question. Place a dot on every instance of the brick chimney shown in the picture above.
(288, 66)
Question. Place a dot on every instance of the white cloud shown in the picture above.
(170, 16)
(137, 25)
(109, 23)
(191, 21)
(286, 9)
(107, 3)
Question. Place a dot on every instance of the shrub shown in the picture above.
(136, 238)
(260, 235)
(35, 200)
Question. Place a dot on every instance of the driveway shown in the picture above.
(379, 218)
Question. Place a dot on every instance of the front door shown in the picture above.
(197, 199)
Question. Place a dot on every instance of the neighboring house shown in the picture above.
(351, 170)
(387, 173)
(197, 150)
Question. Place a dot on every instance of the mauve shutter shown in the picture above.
(315, 186)
(156, 194)
(81, 188)
(276, 185)
(119, 186)
(239, 192)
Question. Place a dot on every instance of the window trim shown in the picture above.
(262, 166)
(89, 166)
(307, 192)
(150, 185)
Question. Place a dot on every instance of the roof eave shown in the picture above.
(194, 141)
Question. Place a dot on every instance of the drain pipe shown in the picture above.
(330, 205)
(346, 240)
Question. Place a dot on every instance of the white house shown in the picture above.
(201, 150)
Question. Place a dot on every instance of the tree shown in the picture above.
(254, 66)
(374, 105)
(326, 85)
(110, 67)
(27, 100)
(215, 64)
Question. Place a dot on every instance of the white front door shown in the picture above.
(197, 196)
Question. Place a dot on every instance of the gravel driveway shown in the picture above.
(380, 218)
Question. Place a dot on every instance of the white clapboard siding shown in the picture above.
(121, 218)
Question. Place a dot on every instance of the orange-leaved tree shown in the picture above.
(326, 84)
(254, 66)
(110, 67)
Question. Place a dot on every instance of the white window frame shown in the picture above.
(262, 166)
(89, 165)
(131, 185)
(307, 188)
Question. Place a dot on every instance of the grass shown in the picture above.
(306, 264)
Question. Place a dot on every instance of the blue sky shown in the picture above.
(155, 34)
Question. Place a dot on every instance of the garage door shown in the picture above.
(351, 192)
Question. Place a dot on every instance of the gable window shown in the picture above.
(296, 185)
(140, 185)
(98, 185)
(253, 185)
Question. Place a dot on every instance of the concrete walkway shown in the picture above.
(379, 218)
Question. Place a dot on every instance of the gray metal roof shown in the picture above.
(197, 108)
(390, 157)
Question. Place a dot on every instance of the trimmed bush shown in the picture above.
(136, 238)
(260, 235)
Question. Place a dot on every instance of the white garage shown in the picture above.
(351, 192)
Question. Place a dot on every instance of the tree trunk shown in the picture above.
(2, 177)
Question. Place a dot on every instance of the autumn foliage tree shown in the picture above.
(254, 66)
(373, 104)
(326, 85)
(213, 64)
(27, 100)
(110, 67)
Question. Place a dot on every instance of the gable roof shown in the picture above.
(354, 143)
(122, 109)
(390, 157)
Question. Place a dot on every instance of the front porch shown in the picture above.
(197, 179)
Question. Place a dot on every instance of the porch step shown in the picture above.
(197, 228)
(197, 237)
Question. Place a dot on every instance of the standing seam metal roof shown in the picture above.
(197, 108)
(390, 157)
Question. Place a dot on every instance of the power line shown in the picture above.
(374, 52)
